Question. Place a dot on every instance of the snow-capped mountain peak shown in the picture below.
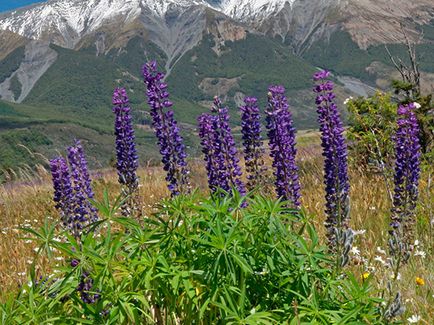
(249, 9)
(74, 18)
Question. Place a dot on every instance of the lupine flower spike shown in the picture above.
(336, 180)
(212, 154)
(126, 152)
(252, 142)
(63, 193)
(72, 190)
(281, 134)
(407, 173)
(84, 211)
(171, 144)
(230, 170)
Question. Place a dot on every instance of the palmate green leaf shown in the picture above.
(44, 237)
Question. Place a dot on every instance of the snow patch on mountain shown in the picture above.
(246, 10)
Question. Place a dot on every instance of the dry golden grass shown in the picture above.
(30, 203)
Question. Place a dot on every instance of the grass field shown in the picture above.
(27, 204)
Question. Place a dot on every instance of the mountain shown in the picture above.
(68, 55)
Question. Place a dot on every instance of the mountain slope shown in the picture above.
(64, 57)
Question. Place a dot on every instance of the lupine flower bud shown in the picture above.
(126, 152)
(407, 173)
(86, 289)
(252, 142)
(281, 134)
(172, 148)
(335, 163)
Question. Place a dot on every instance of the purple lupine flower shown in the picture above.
(172, 148)
(252, 142)
(281, 134)
(212, 156)
(63, 193)
(126, 152)
(87, 292)
(85, 213)
(335, 166)
(229, 168)
(407, 173)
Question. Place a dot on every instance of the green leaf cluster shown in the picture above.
(196, 261)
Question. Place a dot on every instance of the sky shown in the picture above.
(6, 5)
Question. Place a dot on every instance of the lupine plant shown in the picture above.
(336, 180)
(252, 142)
(126, 152)
(221, 154)
(172, 148)
(407, 173)
(281, 134)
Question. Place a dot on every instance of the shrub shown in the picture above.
(196, 261)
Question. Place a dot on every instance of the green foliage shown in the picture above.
(343, 56)
(196, 261)
(11, 63)
(340, 54)
(239, 61)
(372, 123)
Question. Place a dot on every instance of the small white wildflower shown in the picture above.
(414, 319)
(381, 251)
(359, 232)
(372, 208)
(420, 253)
(355, 251)
(417, 105)
(380, 259)
(346, 101)
(36, 249)
(21, 273)
(416, 242)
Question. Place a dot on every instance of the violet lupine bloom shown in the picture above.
(85, 213)
(335, 167)
(212, 156)
(63, 193)
(171, 143)
(252, 142)
(229, 172)
(88, 293)
(407, 173)
(281, 134)
(126, 152)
